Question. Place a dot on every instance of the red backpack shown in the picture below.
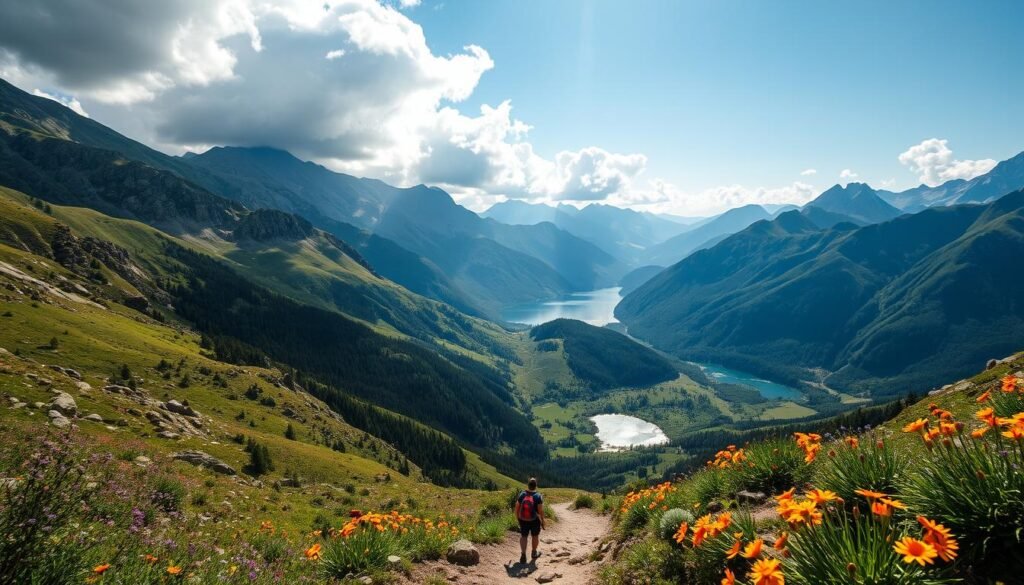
(527, 506)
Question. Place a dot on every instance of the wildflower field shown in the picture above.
(932, 499)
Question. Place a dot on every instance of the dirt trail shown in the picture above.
(566, 548)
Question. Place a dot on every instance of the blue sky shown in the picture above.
(675, 106)
(751, 92)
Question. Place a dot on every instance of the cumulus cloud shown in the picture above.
(123, 51)
(808, 172)
(352, 84)
(847, 175)
(69, 101)
(933, 161)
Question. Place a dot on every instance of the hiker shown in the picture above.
(530, 513)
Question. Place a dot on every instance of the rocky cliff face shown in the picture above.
(269, 224)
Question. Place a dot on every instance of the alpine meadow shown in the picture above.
(667, 292)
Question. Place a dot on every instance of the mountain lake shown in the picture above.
(596, 307)
(621, 431)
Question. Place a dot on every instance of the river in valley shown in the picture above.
(621, 431)
(597, 307)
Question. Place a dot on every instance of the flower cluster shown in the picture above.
(810, 443)
(392, 521)
(728, 457)
(655, 495)
(805, 511)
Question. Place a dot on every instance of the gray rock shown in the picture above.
(751, 497)
(59, 420)
(547, 576)
(394, 561)
(143, 460)
(72, 373)
(179, 408)
(168, 435)
(366, 580)
(64, 404)
(18, 405)
(83, 386)
(94, 418)
(202, 459)
(463, 553)
(13, 400)
(38, 404)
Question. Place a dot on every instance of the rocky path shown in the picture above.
(567, 548)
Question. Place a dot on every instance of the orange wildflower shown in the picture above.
(853, 442)
(1016, 433)
(987, 416)
(979, 433)
(915, 551)
(985, 396)
(173, 570)
(729, 579)
(780, 542)
(753, 550)
(100, 569)
(1009, 384)
(786, 495)
(893, 503)
(734, 550)
(680, 535)
(880, 509)
(767, 572)
(313, 553)
(150, 559)
(915, 426)
(822, 496)
(871, 495)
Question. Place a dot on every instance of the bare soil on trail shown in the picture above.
(567, 548)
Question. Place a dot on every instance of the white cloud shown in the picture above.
(123, 51)
(847, 174)
(408, 3)
(335, 54)
(69, 101)
(933, 161)
(663, 197)
(808, 172)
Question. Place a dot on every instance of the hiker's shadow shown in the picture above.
(521, 570)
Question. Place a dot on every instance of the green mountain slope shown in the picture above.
(883, 309)
(603, 358)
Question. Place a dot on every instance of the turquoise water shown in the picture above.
(596, 307)
(766, 388)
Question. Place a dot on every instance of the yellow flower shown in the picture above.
(173, 570)
(313, 552)
(915, 426)
(767, 572)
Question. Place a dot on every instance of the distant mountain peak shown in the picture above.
(857, 201)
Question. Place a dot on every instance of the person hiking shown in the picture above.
(530, 513)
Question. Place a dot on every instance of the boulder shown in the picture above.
(64, 404)
(463, 553)
(94, 418)
(168, 435)
(179, 408)
(202, 459)
(58, 420)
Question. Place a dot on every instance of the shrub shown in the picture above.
(770, 467)
(363, 551)
(168, 494)
(862, 464)
(976, 487)
(670, 521)
(855, 548)
(490, 530)
(583, 501)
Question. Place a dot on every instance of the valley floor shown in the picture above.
(571, 555)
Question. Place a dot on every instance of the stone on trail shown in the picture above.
(463, 553)
(751, 497)
(547, 576)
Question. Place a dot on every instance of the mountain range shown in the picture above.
(877, 310)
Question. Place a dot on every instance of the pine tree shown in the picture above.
(289, 433)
